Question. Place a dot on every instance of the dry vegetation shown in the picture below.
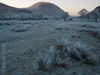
(37, 47)
(92, 29)
(20, 28)
(62, 52)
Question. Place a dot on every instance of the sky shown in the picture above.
(70, 6)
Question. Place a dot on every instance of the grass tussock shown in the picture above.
(62, 28)
(64, 50)
(20, 28)
(49, 60)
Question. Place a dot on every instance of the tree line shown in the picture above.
(33, 16)
(90, 16)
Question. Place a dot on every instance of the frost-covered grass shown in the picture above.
(62, 27)
(62, 52)
(49, 60)
(76, 50)
(93, 29)
(90, 26)
(20, 28)
(1, 27)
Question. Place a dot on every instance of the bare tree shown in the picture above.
(38, 16)
(95, 14)
(82, 13)
(33, 16)
(64, 15)
(88, 15)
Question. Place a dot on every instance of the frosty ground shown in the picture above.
(27, 40)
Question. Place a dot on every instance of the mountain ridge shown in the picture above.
(45, 8)
(6, 9)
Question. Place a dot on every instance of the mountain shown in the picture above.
(46, 8)
(5, 9)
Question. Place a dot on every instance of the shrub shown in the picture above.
(76, 50)
(36, 16)
(59, 28)
(59, 55)
(49, 60)
(64, 15)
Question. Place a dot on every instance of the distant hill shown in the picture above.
(93, 12)
(5, 9)
(46, 8)
(97, 8)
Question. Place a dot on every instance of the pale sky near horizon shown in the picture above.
(71, 6)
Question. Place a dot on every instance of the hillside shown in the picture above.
(46, 8)
(98, 8)
(6, 9)
(95, 12)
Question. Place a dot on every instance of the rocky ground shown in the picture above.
(23, 47)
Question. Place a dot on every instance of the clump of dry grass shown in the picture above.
(20, 28)
(59, 55)
(49, 60)
(59, 28)
(62, 28)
